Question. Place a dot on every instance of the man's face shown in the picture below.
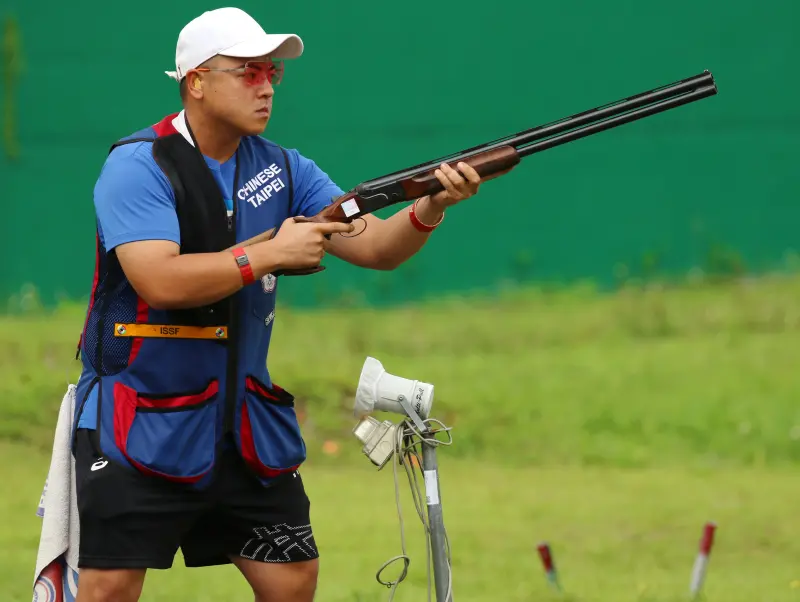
(238, 98)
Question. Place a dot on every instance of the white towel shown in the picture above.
(56, 576)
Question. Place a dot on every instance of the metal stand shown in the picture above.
(441, 568)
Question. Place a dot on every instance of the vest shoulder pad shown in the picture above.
(145, 135)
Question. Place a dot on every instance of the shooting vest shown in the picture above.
(174, 386)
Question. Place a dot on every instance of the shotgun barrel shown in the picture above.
(565, 130)
(525, 149)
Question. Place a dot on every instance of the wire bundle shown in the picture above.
(408, 449)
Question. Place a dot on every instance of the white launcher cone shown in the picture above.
(701, 562)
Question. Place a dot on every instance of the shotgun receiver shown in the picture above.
(498, 157)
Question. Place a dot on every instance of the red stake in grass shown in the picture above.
(701, 562)
(549, 565)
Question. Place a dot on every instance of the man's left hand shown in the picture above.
(457, 187)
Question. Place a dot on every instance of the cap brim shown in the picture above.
(277, 45)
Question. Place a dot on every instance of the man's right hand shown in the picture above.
(301, 245)
(167, 280)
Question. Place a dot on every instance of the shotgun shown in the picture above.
(498, 157)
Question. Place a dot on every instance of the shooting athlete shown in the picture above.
(182, 439)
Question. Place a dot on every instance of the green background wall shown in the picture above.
(384, 86)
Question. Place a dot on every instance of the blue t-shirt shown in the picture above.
(134, 201)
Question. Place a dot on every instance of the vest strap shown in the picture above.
(170, 331)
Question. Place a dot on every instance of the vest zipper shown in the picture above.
(233, 329)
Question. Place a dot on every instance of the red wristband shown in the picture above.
(415, 221)
(244, 266)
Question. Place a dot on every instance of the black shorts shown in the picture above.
(130, 520)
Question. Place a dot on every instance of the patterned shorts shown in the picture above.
(129, 520)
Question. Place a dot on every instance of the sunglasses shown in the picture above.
(255, 73)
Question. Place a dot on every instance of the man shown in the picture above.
(182, 439)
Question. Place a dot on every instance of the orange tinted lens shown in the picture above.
(256, 73)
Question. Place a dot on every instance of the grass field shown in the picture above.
(612, 426)
(617, 535)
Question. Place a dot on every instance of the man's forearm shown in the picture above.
(398, 239)
(198, 279)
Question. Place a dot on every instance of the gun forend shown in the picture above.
(489, 164)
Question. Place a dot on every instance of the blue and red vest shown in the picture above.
(166, 405)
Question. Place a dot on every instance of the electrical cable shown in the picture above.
(408, 438)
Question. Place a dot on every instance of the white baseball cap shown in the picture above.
(229, 32)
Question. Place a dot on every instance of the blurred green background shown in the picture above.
(382, 87)
(612, 329)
